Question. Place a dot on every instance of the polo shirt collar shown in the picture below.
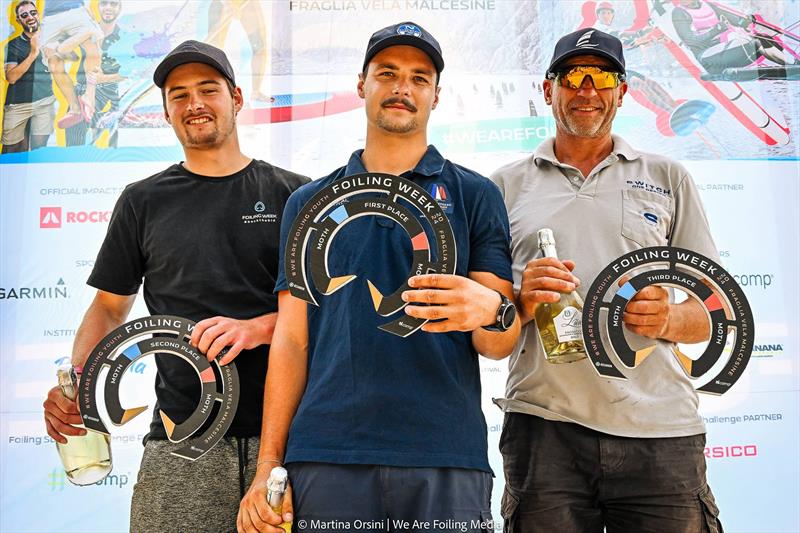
(546, 150)
(431, 164)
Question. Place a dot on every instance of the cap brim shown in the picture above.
(408, 40)
(585, 52)
(182, 58)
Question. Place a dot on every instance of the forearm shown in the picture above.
(284, 386)
(496, 344)
(688, 323)
(99, 320)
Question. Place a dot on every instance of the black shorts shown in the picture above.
(566, 478)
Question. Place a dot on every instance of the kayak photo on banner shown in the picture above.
(712, 84)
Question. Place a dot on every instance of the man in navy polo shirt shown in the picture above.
(379, 431)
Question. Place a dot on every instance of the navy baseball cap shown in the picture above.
(193, 52)
(588, 41)
(405, 33)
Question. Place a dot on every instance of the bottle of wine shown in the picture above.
(559, 323)
(276, 488)
(86, 458)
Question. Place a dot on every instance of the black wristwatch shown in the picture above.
(506, 314)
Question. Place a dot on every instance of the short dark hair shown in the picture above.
(229, 83)
(22, 3)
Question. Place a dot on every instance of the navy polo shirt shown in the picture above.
(376, 398)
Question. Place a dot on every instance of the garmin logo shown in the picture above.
(35, 293)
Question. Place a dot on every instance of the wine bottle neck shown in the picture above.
(549, 250)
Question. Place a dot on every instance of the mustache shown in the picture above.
(397, 100)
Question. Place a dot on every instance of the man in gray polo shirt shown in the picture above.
(583, 452)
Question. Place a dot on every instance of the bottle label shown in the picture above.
(568, 325)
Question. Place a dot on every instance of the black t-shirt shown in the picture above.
(36, 83)
(205, 246)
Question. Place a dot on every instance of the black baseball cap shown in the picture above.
(405, 33)
(588, 41)
(193, 52)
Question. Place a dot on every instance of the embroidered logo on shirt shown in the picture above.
(440, 193)
(651, 218)
(259, 216)
(642, 185)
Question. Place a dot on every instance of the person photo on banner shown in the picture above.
(113, 57)
(188, 236)
(720, 40)
(29, 105)
(581, 452)
(373, 426)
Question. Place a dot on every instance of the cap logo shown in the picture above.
(409, 29)
(583, 42)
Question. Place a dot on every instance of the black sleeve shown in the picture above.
(12, 53)
(120, 263)
(683, 25)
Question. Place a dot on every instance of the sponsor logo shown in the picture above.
(59, 290)
(55, 217)
(643, 185)
(49, 217)
(137, 367)
(734, 451)
(651, 218)
(409, 29)
(754, 280)
(440, 193)
(260, 216)
(585, 40)
(57, 478)
(84, 263)
(767, 350)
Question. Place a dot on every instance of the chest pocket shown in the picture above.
(646, 217)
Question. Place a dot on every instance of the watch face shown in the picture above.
(509, 314)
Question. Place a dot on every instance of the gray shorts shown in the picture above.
(41, 114)
(175, 494)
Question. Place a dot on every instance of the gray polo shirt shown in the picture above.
(595, 221)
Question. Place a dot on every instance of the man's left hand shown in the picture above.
(212, 335)
(459, 303)
(648, 312)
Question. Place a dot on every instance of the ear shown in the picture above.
(547, 89)
(166, 116)
(622, 90)
(238, 99)
(436, 97)
(360, 86)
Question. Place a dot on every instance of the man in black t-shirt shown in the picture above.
(203, 235)
(29, 102)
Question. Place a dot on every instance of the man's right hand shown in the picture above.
(35, 44)
(61, 415)
(543, 281)
(254, 513)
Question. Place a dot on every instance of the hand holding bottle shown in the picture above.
(544, 280)
(255, 512)
(61, 415)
